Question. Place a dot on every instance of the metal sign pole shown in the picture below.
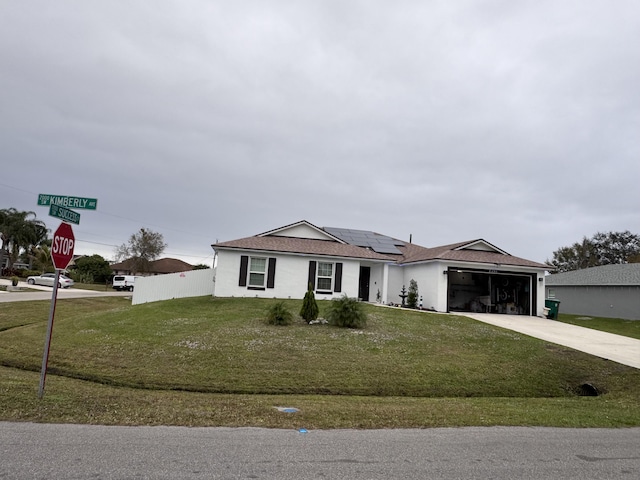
(47, 343)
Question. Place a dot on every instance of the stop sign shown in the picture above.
(62, 246)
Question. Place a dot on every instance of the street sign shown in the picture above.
(62, 246)
(68, 202)
(64, 214)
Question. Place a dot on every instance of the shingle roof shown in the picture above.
(302, 245)
(627, 274)
(163, 265)
(170, 265)
(454, 252)
(470, 251)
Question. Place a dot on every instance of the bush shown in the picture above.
(278, 314)
(309, 311)
(346, 312)
(412, 298)
(92, 269)
(81, 277)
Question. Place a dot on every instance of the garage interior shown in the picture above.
(489, 292)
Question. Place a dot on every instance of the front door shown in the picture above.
(363, 290)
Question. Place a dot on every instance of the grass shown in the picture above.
(211, 361)
(627, 328)
(100, 287)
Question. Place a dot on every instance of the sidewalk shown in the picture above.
(620, 349)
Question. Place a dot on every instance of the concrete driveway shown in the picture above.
(620, 349)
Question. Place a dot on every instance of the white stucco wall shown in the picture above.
(301, 231)
(292, 273)
(395, 280)
(432, 283)
(375, 282)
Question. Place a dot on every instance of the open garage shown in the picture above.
(487, 291)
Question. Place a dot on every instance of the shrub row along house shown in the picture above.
(467, 276)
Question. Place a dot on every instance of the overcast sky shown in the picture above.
(513, 121)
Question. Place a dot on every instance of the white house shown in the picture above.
(466, 276)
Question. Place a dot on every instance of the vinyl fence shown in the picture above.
(195, 283)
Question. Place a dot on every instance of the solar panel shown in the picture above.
(364, 238)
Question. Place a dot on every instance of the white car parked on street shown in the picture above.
(47, 279)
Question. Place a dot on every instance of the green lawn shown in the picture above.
(627, 328)
(208, 361)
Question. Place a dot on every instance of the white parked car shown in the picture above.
(47, 279)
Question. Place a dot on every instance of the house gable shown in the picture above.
(301, 229)
(480, 245)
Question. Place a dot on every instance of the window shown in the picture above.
(325, 276)
(552, 293)
(257, 271)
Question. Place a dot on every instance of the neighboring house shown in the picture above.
(156, 267)
(466, 276)
(611, 291)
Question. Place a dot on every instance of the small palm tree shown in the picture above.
(41, 257)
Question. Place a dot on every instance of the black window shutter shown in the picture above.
(244, 266)
(338, 280)
(271, 273)
(312, 275)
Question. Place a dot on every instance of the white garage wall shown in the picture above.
(194, 283)
(432, 284)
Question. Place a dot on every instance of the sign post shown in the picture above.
(61, 254)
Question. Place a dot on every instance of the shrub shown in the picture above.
(309, 311)
(278, 314)
(14, 281)
(81, 277)
(346, 312)
(412, 297)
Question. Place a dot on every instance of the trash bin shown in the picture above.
(554, 307)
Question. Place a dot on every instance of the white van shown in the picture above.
(124, 282)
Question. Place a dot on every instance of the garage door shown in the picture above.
(483, 291)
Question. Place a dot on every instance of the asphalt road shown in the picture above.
(42, 451)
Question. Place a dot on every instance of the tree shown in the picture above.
(93, 268)
(412, 297)
(309, 311)
(201, 266)
(19, 232)
(143, 247)
(616, 247)
(601, 249)
(40, 257)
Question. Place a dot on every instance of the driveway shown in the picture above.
(620, 349)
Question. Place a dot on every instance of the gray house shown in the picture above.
(611, 291)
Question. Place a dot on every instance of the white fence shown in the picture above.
(195, 283)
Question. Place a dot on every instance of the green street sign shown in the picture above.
(68, 202)
(64, 214)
